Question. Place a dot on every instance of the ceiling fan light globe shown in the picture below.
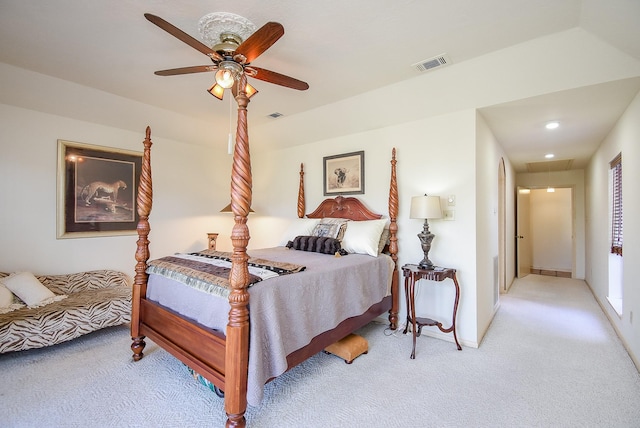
(224, 78)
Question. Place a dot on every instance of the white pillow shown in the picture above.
(27, 288)
(298, 227)
(363, 237)
(6, 297)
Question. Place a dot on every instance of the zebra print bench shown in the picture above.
(96, 299)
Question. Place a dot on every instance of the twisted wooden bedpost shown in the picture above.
(237, 343)
(144, 201)
(393, 241)
(301, 206)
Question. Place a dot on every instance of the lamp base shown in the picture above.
(426, 265)
(425, 240)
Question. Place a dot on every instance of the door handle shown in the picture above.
(519, 237)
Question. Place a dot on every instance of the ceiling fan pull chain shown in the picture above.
(230, 142)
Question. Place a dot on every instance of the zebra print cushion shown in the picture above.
(97, 299)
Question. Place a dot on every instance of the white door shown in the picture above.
(523, 243)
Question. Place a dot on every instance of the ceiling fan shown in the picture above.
(235, 46)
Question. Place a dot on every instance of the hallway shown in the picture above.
(569, 349)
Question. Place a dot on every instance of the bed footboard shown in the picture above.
(200, 348)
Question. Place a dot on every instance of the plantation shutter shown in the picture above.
(616, 199)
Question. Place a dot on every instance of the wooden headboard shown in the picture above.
(341, 207)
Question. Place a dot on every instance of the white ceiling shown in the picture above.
(341, 48)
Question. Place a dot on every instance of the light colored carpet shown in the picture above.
(550, 359)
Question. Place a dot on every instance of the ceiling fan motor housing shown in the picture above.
(228, 44)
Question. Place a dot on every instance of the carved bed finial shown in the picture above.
(393, 238)
(144, 202)
(301, 206)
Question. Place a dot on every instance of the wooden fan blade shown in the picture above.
(181, 35)
(261, 40)
(279, 79)
(186, 70)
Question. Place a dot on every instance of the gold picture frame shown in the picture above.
(96, 190)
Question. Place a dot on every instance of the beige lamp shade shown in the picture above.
(227, 209)
(425, 207)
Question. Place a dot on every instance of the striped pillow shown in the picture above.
(330, 228)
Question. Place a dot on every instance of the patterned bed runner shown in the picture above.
(208, 270)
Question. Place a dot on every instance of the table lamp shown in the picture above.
(425, 207)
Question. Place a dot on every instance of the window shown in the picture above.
(615, 295)
(616, 205)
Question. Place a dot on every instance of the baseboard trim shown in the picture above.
(613, 324)
(547, 272)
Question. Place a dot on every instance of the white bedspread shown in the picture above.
(288, 311)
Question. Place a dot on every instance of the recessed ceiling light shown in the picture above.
(552, 125)
(549, 155)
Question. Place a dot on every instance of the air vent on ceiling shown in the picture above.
(275, 115)
(431, 63)
(550, 166)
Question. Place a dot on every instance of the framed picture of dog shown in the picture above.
(96, 190)
(344, 174)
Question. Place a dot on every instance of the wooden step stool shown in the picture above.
(348, 348)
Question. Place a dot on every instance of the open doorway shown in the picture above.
(523, 232)
(545, 232)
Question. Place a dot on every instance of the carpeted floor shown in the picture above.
(550, 359)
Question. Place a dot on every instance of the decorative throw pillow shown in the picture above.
(318, 244)
(8, 301)
(384, 240)
(363, 237)
(331, 228)
(6, 297)
(28, 288)
(298, 227)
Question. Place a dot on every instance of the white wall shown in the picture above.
(575, 180)
(551, 229)
(424, 165)
(28, 143)
(488, 155)
(625, 139)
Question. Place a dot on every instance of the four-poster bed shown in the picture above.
(222, 355)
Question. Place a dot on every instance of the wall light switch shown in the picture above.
(451, 200)
(448, 215)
